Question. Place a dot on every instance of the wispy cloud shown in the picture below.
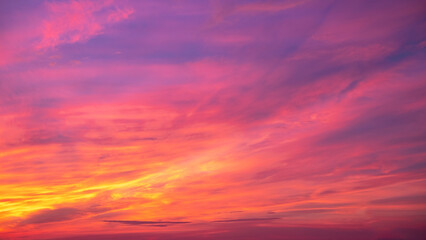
(150, 223)
(52, 215)
(245, 220)
(78, 20)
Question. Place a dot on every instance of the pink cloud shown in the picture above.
(229, 8)
(76, 21)
(269, 6)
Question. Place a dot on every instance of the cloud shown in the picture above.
(314, 205)
(269, 6)
(303, 213)
(311, 110)
(229, 8)
(250, 232)
(78, 20)
(246, 220)
(150, 223)
(401, 200)
(52, 215)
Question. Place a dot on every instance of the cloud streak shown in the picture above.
(76, 21)
(151, 223)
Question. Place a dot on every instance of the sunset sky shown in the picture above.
(213, 119)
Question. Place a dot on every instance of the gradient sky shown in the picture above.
(220, 119)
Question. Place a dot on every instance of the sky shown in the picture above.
(213, 119)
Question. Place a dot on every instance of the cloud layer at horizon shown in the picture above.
(212, 119)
